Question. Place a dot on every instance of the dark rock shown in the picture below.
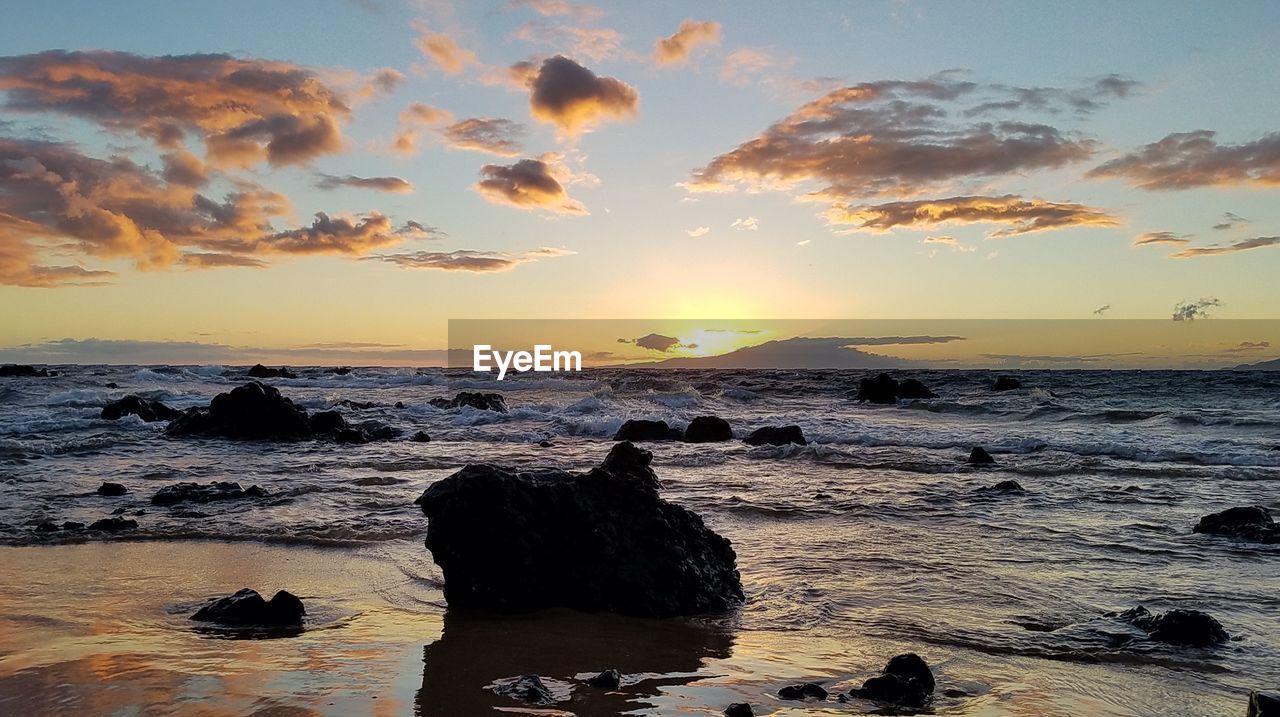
(113, 524)
(906, 681)
(330, 422)
(1008, 486)
(73, 525)
(881, 389)
(775, 436)
(739, 709)
(808, 690)
(377, 480)
(149, 411)
(1178, 627)
(254, 411)
(911, 388)
(707, 429)
(1006, 383)
(597, 541)
(111, 384)
(204, 493)
(11, 370)
(421, 437)
(340, 371)
(247, 608)
(1248, 522)
(607, 680)
(47, 526)
(954, 693)
(979, 457)
(399, 404)
(545, 444)
(375, 431)
(481, 401)
(260, 371)
(639, 429)
(1264, 704)
(528, 688)
(112, 489)
(358, 405)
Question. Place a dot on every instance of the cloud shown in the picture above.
(594, 43)
(414, 117)
(136, 352)
(891, 137)
(1229, 221)
(746, 224)
(527, 184)
(675, 50)
(384, 81)
(207, 260)
(1102, 310)
(552, 8)
(1216, 250)
(1247, 346)
(655, 342)
(1082, 100)
(443, 51)
(493, 135)
(742, 67)
(328, 235)
(1192, 310)
(698, 232)
(1195, 159)
(1024, 215)
(183, 167)
(573, 98)
(380, 184)
(949, 242)
(245, 111)
(468, 260)
(1160, 238)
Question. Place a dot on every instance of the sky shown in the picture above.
(308, 179)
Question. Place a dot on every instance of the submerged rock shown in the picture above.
(113, 524)
(528, 688)
(1248, 522)
(639, 429)
(911, 388)
(1264, 704)
(13, 370)
(597, 541)
(1008, 486)
(112, 489)
(979, 457)
(148, 411)
(906, 681)
(254, 411)
(204, 493)
(708, 429)
(739, 709)
(607, 680)
(1006, 383)
(806, 691)
(776, 436)
(421, 437)
(260, 371)
(1177, 627)
(885, 389)
(482, 401)
(246, 608)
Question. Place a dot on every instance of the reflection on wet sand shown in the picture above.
(474, 651)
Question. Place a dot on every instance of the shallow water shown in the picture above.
(875, 540)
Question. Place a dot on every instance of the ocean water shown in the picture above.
(875, 539)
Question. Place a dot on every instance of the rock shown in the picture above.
(597, 541)
(906, 681)
(112, 489)
(979, 457)
(1249, 522)
(481, 401)
(399, 404)
(639, 429)
(528, 688)
(1008, 486)
(607, 680)
(111, 384)
(911, 388)
(954, 693)
(739, 709)
(11, 370)
(1178, 627)
(340, 371)
(73, 525)
(204, 493)
(707, 429)
(366, 432)
(358, 405)
(247, 608)
(1264, 704)
(545, 444)
(421, 437)
(113, 524)
(881, 389)
(330, 422)
(260, 371)
(775, 436)
(808, 690)
(47, 526)
(1006, 383)
(254, 411)
(149, 411)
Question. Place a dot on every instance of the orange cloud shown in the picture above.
(593, 43)
(412, 119)
(741, 67)
(380, 184)
(441, 49)
(527, 184)
(244, 110)
(1217, 250)
(1024, 215)
(675, 50)
(1148, 238)
(1195, 159)
(573, 98)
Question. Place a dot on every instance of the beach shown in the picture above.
(874, 539)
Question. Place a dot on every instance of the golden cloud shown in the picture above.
(675, 50)
(527, 184)
(573, 98)
(1024, 215)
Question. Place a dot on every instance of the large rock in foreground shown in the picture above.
(596, 541)
(1247, 522)
(247, 608)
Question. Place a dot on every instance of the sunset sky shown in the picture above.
(346, 176)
